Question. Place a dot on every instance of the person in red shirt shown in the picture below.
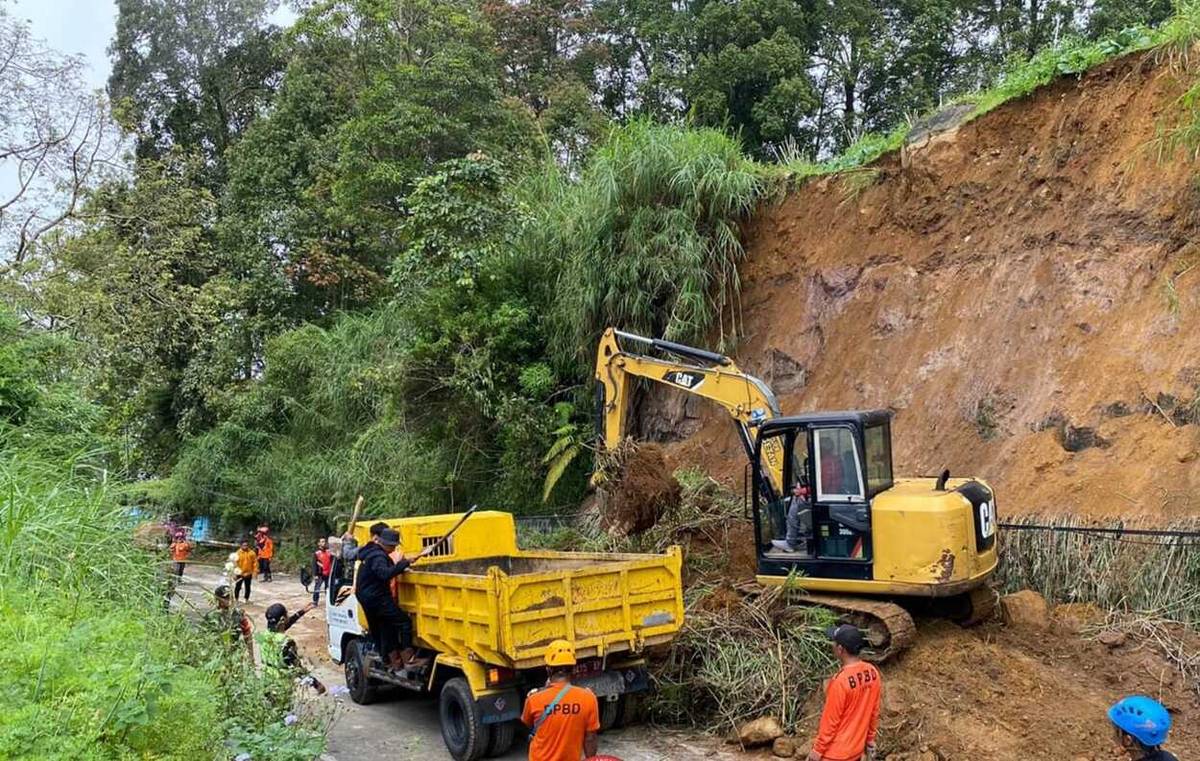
(322, 565)
(852, 697)
(563, 719)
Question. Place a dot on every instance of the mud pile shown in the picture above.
(1021, 692)
(636, 492)
(1019, 290)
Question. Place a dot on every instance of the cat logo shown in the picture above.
(685, 380)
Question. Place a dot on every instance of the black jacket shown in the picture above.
(373, 587)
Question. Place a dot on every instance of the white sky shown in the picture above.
(81, 27)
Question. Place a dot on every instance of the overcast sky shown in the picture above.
(81, 27)
(84, 27)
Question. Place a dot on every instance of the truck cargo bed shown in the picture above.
(485, 599)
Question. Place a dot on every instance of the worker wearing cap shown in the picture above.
(852, 696)
(1141, 725)
(391, 626)
(280, 655)
(229, 620)
(563, 719)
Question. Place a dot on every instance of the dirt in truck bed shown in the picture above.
(1020, 290)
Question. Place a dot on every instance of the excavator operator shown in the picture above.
(799, 533)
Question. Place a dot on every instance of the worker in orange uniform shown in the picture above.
(852, 696)
(243, 569)
(266, 550)
(181, 550)
(563, 719)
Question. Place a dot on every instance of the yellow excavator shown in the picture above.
(823, 499)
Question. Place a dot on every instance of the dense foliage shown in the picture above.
(94, 667)
(370, 253)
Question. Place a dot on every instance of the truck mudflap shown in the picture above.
(499, 707)
(616, 681)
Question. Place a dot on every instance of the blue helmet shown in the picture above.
(1143, 717)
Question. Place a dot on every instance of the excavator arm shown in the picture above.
(709, 375)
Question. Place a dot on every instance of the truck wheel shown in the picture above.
(362, 691)
(465, 735)
(610, 712)
(502, 738)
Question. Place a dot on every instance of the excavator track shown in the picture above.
(888, 628)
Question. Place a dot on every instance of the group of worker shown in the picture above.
(562, 718)
(280, 654)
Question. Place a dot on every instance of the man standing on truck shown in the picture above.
(563, 719)
(852, 696)
(391, 626)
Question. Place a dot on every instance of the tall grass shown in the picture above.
(1148, 576)
(649, 239)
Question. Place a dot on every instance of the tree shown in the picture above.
(375, 96)
(192, 74)
(549, 51)
(751, 70)
(155, 302)
(56, 140)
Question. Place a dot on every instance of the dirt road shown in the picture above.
(407, 726)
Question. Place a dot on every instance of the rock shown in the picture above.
(759, 732)
(1188, 456)
(1112, 639)
(1025, 608)
(784, 747)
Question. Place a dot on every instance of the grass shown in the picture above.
(649, 240)
(1070, 57)
(1143, 576)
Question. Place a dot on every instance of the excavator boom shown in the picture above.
(707, 374)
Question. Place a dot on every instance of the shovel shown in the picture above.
(431, 548)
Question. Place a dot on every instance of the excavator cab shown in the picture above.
(834, 463)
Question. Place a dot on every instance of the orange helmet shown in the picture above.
(560, 653)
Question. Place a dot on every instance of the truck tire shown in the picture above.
(610, 713)
(362, 689)
(502, 738)
(463, 731)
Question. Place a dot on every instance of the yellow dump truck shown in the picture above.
(484, 611)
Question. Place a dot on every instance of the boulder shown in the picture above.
(784, 747)
(759, 732)
(1025, 608)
